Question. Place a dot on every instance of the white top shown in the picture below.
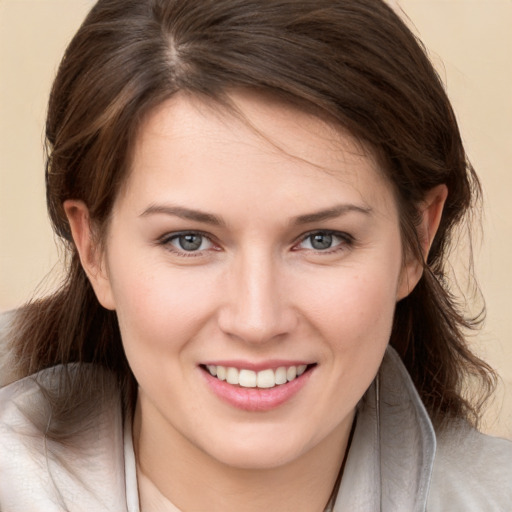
(395, 462)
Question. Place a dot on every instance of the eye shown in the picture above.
(187, 242)
(325, 241)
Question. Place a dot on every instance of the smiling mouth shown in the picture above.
(264, 379)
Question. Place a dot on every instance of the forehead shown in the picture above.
(260, 146)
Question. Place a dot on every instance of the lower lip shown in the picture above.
(256, 399)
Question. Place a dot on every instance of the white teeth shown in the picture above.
(281, 375)
(291, 373)
(232, 375)
(263, 379)
(247, 378)
(266, 379)
(301, 369)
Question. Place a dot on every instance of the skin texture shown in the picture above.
(257, 290)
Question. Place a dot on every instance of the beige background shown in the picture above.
(470, 42)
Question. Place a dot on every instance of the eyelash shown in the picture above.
(170, 237)
(347, 241)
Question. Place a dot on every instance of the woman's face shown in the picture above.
(251, 254)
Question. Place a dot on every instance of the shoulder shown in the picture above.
(6, 367)
(22, 447)
(82, 471)
(472, 472)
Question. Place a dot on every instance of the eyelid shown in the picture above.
(347, 240)
(166, 240)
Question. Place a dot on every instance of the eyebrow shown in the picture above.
(331, 213)
(184, 213)
(214, 220)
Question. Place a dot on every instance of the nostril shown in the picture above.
(257, 326)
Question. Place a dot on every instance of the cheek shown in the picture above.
(352, 318)
(158, 307)
(353, 308)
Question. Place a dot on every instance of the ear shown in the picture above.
(91, 255)
(431, 210)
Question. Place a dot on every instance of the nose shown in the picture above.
(257, 306)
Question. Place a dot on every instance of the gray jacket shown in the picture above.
(396, 463)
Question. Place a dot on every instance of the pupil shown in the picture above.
(321, 241)
(190, 242)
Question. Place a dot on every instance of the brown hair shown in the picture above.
(354, 60)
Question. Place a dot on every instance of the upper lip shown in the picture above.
(272, 364)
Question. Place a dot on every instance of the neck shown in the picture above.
(192, 480)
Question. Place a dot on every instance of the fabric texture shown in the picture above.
(7, 368)
(395, 463)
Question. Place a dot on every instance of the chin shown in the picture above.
(258, 451)
(258, 459)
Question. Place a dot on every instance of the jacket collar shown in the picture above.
(81, 473)
(391, 456)
(388, 466)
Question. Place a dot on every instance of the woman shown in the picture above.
(257, 198)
